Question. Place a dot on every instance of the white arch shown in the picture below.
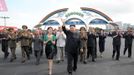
(77, 17)
(56, 19)
(91, 18)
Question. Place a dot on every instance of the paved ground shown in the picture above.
(103, 66)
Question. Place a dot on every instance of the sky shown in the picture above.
(30, 12)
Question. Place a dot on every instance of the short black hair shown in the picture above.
(72, 25)
(24, 26)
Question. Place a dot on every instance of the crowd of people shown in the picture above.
(63, 42)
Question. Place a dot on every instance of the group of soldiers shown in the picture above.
(86, 43)
(9, 39)
(89, 42)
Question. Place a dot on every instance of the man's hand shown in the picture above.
(63, 22)
(81, 50)
(53, 42)
(115, 36)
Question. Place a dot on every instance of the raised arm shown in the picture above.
(64, 29)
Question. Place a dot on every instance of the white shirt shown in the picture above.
(61, 39)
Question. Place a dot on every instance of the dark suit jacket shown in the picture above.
(91, 42)
(116, 40)
(128, 39)
(4, 42)
(101, 38)
(72, 41)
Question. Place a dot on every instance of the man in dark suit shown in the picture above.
(128, 42)
(102, 37)
(71, 48)
(4, 43)
(91, 43)
(116, 43)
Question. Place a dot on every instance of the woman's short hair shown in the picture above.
(49, 28)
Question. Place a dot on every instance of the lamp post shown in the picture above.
(5, 18)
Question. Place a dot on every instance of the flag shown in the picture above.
(3, 6)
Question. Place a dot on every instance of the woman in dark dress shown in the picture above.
(49, 40)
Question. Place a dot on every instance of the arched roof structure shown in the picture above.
(106, 17)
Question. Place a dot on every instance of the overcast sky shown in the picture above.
(30, 12)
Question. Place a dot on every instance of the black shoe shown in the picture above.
(124, 53)
(129, 56)
(30, 53)
(23, 61)
(74, 69)
(58, 62)
(85, 62)
(70, 73)
(11, 60)
(112, 57)
(117, 59)
(37, 63)
(28, 57)
(6, 55)
(93, 60)
(15, 57)
(80, 60)
(41, 54)
(62, 60)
